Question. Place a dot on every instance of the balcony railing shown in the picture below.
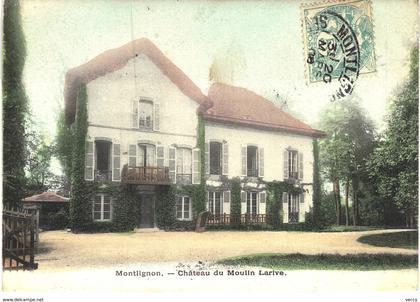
(293, 175)
(145, 175)
(245, 219)
(103, 175)
(252, 173)
(183, 179)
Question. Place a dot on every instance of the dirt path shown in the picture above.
(89, 262)
(66, 250)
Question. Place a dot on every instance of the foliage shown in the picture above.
(364, 262)
(327, 209)
(199, 200)
(38, 159)
(15, 104)
(275, 191)
(80, 209)
(124, 208)
(394, 164)
(235, 200)
(64, 141)
(58, 220)
(316, 194)
(406, 240)
(165, 208)
(344, 152)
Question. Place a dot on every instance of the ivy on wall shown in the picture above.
(275, 191)
(316, 195)
(200, 196)
(80, 209)
(235, 200)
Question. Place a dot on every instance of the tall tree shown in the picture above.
(394, 164)
(15, 106)
(350, 139)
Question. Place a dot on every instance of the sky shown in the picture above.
(259, 44)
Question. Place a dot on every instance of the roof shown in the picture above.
(241, 106)
(114, 59)
(46, 197)
(224, 103)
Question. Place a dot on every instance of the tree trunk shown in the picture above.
(355, 209)
(336, 189)
(346, 201)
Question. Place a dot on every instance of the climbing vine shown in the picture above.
(80, 210)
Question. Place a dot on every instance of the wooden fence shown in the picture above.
(19, 233)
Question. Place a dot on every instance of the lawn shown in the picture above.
(406, 240)
(296, 261)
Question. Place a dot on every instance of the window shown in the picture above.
(146, 155)
(215, 205)
(183, 208)
(102, 208)
(293, 164)
(103, 161)
(251, 203)
(252, 168)
(145, 115)
(215, 158)
(183, 166)
(293, 207)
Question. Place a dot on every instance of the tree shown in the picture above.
(394, 164)
(14, 105)
(350, 140)
(38, 160)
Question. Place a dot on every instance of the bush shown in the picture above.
(57, 220)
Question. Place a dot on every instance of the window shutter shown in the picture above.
(285, 164)
(226, 196)
(89, 160)
(300, 165)
(302, 197)
(243, 196)
(157, 116)
(262, 197)
(172, 163)
(132, 155)
(116, 161)
(160, 156)
(285, 207)
(225, 167)
(243, 157)
(196, 166)
(261, 160)
(207, 158)
(135, 114)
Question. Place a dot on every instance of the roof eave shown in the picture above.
(265, 126)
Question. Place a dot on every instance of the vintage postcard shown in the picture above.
(236, 147)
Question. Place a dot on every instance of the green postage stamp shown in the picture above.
(338, 42)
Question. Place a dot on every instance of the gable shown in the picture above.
(115, 59)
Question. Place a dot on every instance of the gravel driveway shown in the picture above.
(88, 263)
(61, 250)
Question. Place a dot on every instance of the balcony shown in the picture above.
(252, 173)
(293, 175)
(183, 179)
(244, 219)
(103, 175)
(145, 175)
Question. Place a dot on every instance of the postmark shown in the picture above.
(338, 43)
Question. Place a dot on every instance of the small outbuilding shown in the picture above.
(51, 209)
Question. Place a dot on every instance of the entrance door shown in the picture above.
(146, 212)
